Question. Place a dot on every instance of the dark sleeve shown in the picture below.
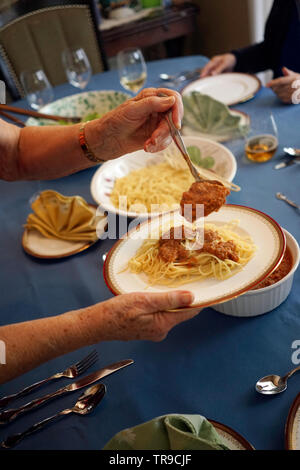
(253, 59)
(264, 55)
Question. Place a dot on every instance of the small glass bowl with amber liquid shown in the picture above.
(261, 148)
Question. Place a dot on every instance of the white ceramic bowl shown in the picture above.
(104, 178)
(259, 301)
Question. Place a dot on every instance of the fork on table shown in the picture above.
(71, 372)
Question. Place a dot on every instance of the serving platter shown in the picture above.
(266, 234)
(104, 178)
(229, 88)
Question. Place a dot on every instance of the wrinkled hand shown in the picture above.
(137, 123)
(283, 86)
(219, 64)
(144, 316)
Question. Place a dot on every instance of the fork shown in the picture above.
(180, 77)
(71, 372)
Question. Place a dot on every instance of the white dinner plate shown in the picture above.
(35, 244)
(229, 88)
(232, 439)
(104, 178)
(245, 121)
(292, 427)
(266, 234)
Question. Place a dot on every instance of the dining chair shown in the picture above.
(33, 34)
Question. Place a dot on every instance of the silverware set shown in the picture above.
(71, 372)
(85, 404)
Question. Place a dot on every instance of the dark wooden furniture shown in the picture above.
(168, 26)
(27, 9)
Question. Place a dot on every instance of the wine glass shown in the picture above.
(77, 66)
(37, 88)
(262, 140)
(132, 69)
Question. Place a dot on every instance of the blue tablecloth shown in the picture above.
(208, 365)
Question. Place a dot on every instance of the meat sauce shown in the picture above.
(171, 249)
(279, 273)
(212, 194)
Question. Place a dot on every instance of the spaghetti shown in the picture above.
(199, 263)
(154, 188)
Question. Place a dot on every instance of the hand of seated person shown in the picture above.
(286, 87)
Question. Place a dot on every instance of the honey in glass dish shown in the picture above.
(261, 148)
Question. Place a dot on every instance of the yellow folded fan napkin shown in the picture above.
(169, 432)
(63, 217)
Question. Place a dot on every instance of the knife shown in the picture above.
(9, 415)
(286, 163)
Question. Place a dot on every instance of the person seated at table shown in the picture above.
(279, 51)
(52, 152)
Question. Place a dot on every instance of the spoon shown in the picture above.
(273, 384)
(176, 136)
(179, 142)
(283, 197)
(292, 151)
(86, 403)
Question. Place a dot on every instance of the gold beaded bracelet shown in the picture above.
(85, 148)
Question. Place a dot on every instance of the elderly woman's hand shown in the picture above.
(139, 316)
(285, 87)
(135, 316)
(137, 123)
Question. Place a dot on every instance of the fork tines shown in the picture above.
(87, 362)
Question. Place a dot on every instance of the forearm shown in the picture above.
(32, 343)
(134, 316)
(52, 151)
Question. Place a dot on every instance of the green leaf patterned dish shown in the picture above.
(208, 117)
(196, 157)
(84, 104)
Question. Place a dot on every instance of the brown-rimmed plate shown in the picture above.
(229, 88)
(292, 426)
(35, 244)
(233, 439)
(265, 232)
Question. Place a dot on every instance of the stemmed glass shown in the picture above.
(37, 88)
(132, 69)
(77, 67)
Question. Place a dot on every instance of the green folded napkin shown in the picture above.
(169, 432)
